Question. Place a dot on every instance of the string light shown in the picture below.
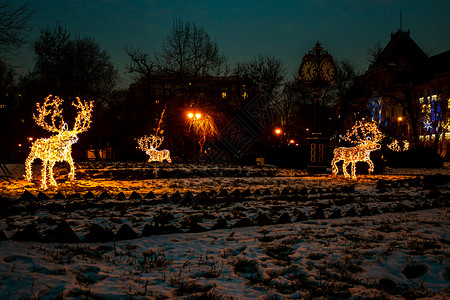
(57, 148)
(366, 136)
(149, 144)
(395, 146)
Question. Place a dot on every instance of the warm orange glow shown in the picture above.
(366, 136)
(204, 128)
(278, 131)
(57, 148)
(292, 141)
(195, 116)
(400, 119)
(149, 144)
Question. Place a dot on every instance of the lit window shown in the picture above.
(224, 95)
(243, 86)
(157, 101)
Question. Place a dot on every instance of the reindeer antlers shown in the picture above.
(82, 121)
(150, 142)
(363, 132)
(56, 113)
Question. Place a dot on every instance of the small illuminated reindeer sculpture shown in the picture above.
(366, 135)
(57, 148)
(149, 144)
(395, 146)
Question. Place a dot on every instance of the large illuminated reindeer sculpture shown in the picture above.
(149, 144)
(366, 136)
(57, 148)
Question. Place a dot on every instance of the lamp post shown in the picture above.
(317, 71)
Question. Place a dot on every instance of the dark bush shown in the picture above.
(288, 157)
(414, 158)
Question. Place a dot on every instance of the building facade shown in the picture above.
(408, 93)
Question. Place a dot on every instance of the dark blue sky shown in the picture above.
(286, 29)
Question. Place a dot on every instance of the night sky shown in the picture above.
(243, 29)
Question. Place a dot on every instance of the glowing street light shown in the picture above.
(278, 131)
(400, 119)
(195, 116)
(204, 127)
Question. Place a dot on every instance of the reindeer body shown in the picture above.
(149, 145)
(352, 155)
(158, 155)
(366, 136)
(57, 148)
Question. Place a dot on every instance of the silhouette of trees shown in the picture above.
(374, 52)
(346, 90)
(14, 24)
(265, 71)
(71, 67)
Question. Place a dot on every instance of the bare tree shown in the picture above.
(14, 24)
(72, 67)
(345, 90)
(189, 51)
(264, 70)
(374, 52)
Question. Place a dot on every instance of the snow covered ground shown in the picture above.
(238, 233)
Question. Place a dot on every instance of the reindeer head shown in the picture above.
(364, 133)
(151, 142)
(57, 124)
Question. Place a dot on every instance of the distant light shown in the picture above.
(400, 119)
(198, 116)
(292, 141)
(307, 129)
(190, 115)
(278, 131)
(20, 145)
(30, 138)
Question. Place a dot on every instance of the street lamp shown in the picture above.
(203, 127)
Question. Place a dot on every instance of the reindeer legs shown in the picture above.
(72, 168)
(345, 163)
(28, 163)
(44, 175)
(334, 167)
(50, 173)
